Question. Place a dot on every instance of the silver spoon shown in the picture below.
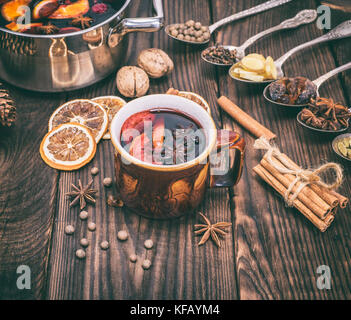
(303, 17)
(343, 30)
(249, 12)
(334, 145)
(298, 118)
(318, 82)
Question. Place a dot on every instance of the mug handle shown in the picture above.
(233, 141)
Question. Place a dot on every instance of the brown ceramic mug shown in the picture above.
(168, 191)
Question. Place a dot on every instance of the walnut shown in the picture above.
(132, 81)
(155, 62)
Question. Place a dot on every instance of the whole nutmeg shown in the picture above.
(132, 81)
(155, 62)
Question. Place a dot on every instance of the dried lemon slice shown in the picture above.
(112, 104)
(84, 112)
(69, 146)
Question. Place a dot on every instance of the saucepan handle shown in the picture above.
(150, 24)
(225, 166)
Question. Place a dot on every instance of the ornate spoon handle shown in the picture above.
(303, 17)
(262, 7)
(343, 30)
(331, 73)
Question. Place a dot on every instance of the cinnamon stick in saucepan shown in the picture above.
(244, 119)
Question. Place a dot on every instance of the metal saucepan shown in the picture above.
(54, 63)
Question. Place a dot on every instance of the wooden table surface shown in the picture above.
(272, 251)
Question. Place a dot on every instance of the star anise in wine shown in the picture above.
(48, 29)
(82, 22)
(82, 194)
(211, 230)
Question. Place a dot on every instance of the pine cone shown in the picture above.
(7, 108)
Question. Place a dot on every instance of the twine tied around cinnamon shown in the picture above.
(306, 177)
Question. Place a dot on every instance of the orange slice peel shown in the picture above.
(85, 112)
(112, 105)
(68, 147)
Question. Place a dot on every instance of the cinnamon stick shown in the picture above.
(281, 189)
(250, 124)
(307, 191)
(332, 198)
(321, 213)
(343, 201)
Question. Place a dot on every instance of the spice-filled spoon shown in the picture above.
(299, 120)
(238, 53)
(324, 115)
(299, 89)
(173, 30)
(343, 30)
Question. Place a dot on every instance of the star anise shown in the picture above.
(82, 22)
(82, 194)
(48, 29)
(211, 230)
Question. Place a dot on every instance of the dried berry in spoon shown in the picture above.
(296, 91)
(190, 31)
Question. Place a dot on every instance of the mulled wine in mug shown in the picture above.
(167, 151)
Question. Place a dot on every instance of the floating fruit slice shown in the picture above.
(141, 148)
(30, 28)
(158, 133)
(68, 147)
(84, 112)
(73, 10)
(14, 9)
(44, 8)
(112, 105)
(253, 64)
(136, 122)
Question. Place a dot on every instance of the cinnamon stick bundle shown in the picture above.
(317, 204)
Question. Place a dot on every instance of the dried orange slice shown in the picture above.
(84, 112)
(69, 146)
(112, 104)
(191, 96)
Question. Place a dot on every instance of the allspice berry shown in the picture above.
(69, 229)
(132, 81)
(155, 62)
(146, 264)
(80, 254)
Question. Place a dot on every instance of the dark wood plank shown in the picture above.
(27, 195)
(277, 250)
(181, 269)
